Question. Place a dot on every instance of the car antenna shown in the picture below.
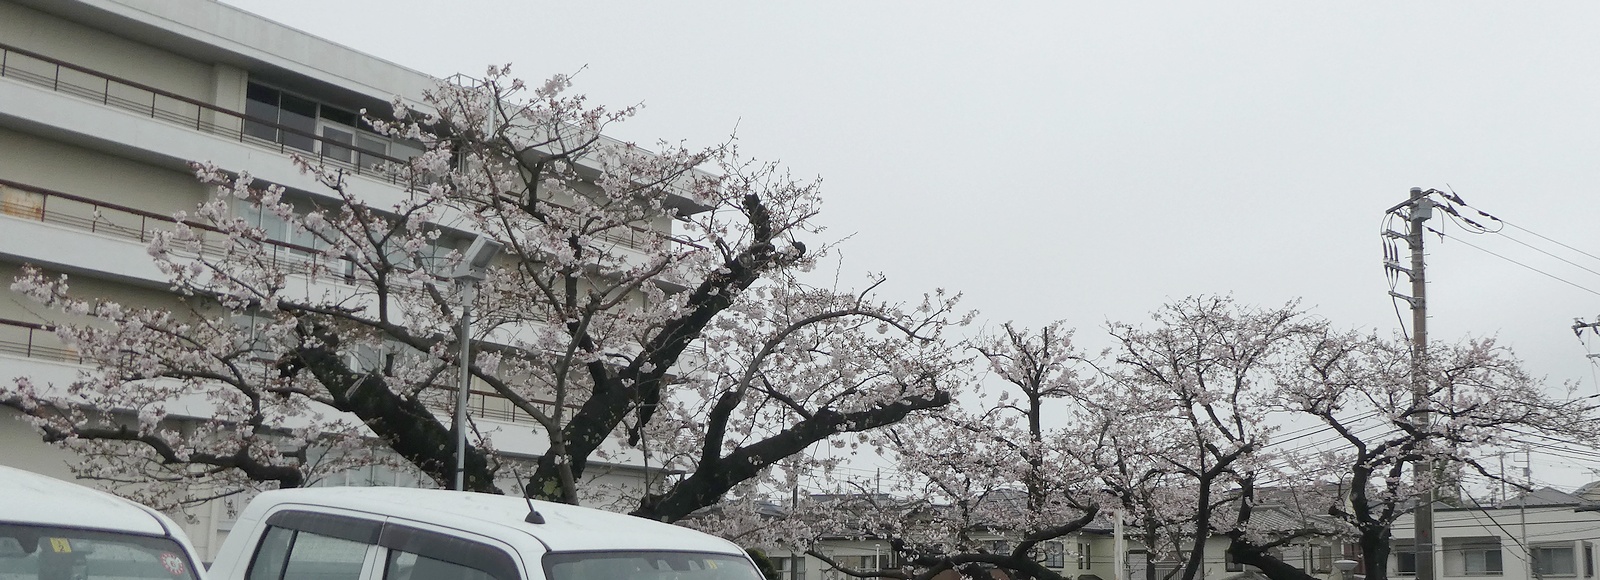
(534, 517)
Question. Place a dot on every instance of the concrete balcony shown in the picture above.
(182, 117)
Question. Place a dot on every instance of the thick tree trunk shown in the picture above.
(1251, 555)
(406, 425)
(1374, 544)
(715, 476)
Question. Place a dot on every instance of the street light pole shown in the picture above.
(472, 269)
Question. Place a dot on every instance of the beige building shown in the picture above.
(103, 103)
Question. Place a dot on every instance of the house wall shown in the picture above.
(1472, 541)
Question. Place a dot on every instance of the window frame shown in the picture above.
(1483, 556)
(791, 567)
(383, 538)
(323, 115)
(1055, 555)
(1404, 553)
(1541, 562)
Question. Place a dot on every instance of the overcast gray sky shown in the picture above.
(1090, 161)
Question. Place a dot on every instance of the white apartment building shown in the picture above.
(103, 103)
(1551, 537)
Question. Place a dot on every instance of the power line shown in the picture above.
(1550, 240)
(1542, 251)
(1547, 274)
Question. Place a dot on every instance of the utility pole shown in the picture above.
(1578, 326)
(1119, 548)
(1419, 209)
(1522, 513)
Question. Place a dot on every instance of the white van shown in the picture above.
(56, 530)
(387, 533)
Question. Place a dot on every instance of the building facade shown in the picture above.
(103, 106)
(1545, 534)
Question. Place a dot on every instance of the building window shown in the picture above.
(1554, 561)
(1321, 558)
(278, 116)
(997, 546)
(1085, 555)
(791, 568)
(1055, 555)
(296, 115)
(867, 563)
(1405, 559)
(1588, 560)
(1478, 556)
(1482, 562)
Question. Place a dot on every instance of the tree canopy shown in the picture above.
(647, 306)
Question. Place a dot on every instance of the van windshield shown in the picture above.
(647, 566)
(51, 553)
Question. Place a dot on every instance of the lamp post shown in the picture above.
(1345, 568)
(471, 270)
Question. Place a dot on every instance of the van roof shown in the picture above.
(31, 498)
(567, 528)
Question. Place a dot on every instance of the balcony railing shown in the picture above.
(485, 404)
(34, 340)
(138, 225)
(64, 77)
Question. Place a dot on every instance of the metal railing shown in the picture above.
(485, 404)
(34, 340)
(135, 224)
(64, 77)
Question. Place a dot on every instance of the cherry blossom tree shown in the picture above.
(647, 303)
(1207, 366)
(985, 486)
(1476, 395)
(1181, 427)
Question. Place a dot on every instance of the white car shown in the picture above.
(385, 533)
(56, 530)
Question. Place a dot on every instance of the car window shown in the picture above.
(319, 557)
(409, 566)
(305, 545)
(417, 554)
(286, 554)
(631, 565)
(271, 554)
(51, 553)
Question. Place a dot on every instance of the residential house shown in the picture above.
(1540, 535)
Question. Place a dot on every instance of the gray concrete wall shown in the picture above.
(66, 168)
(95, 49)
